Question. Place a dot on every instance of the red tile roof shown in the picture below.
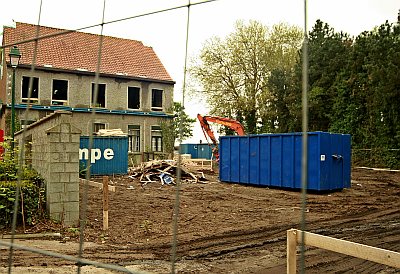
(79, 50)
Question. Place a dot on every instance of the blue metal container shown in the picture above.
(197, 151)
(109, 155)
(275, 160)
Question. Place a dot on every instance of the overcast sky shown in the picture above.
(166, 32)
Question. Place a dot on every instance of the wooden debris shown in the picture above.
(198, 164)
(163, 171)
(110, 132)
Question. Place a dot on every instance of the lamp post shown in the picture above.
(15, 56)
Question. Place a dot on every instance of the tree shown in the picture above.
(328, 57)
(234, 72)
(171, 129)
(367, 95)
(372, 89)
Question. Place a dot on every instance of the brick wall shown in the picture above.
(55, 155)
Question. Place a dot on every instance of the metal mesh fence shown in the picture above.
(79, 260)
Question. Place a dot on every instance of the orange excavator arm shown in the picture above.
(208, 133)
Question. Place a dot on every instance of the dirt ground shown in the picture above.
(225, 228)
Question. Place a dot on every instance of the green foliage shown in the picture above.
(172, 129)
(17, 121)
(32, 192)
(354, 88)
(82, 169)
(32, 202)
(235, 72)
(255, 77)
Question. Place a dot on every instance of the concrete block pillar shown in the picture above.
(62, 182)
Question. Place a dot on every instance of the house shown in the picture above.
(135, 91)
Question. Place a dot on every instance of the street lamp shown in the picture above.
(15, 56)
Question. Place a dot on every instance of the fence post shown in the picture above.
(105, 202)
(291, 251)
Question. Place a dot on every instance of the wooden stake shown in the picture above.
(105, 202)
(291, 251)
(22, 209)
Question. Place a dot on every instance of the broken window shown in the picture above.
(25, 89)
(134, 138)
(133, 97)
(156, 99)
(101, 96)
(156, 139)
(59, 94)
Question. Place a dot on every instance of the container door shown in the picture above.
(313, 160)
(244, 160)
(254, 162)
(196, 151)
(229, 164)
(265, 164)
(203, 151)
(288, 161)
(276, 160)
(337, 161)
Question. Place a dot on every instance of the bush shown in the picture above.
(376, 157)
(32, 193)
(31, 203)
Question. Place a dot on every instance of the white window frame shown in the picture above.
(156, 139)
(63, 102)
(132, 139)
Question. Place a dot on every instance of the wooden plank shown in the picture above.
(357, 250)
(291, 251)
(378, 169)
(31, 236)
(96, 184)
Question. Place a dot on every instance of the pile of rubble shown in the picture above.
(164, 171)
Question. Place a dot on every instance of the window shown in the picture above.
(133, 97)
(156, 139)
(25, 89)
(101, 96)
(98, 126)
(59, 94)
(156, 99)
(134, 138)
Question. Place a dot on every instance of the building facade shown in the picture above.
(134, 91)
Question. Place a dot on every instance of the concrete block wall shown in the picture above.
(55, 155)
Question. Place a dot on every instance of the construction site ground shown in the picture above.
(223, 227)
